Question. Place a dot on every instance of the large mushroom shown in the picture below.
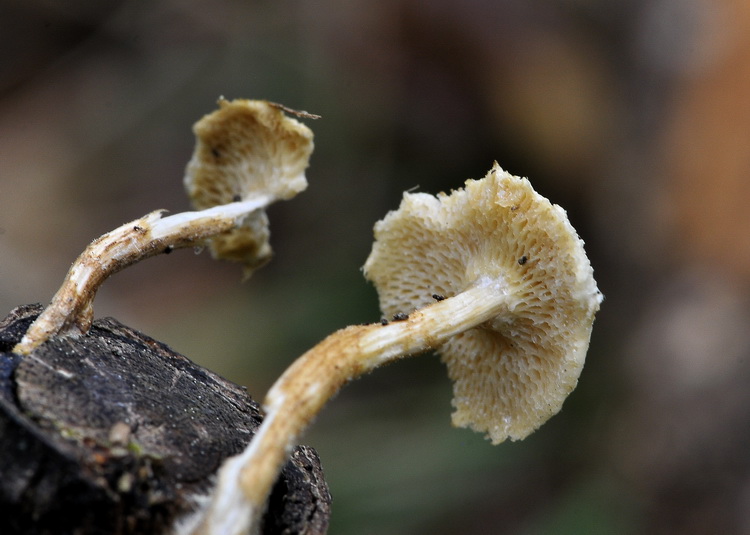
(493, 277)
(501, 239)
(248, 155)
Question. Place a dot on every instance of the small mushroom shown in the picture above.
(514, 337)
(247, 148)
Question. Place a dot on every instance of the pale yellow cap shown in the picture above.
(514, 372)
(244, 149)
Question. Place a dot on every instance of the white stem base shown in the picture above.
(245, 481)
(70, 312)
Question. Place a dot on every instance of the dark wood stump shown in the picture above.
(114, 433)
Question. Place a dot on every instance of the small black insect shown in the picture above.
(384, 321)
(236, 198)
(137, 228)
(438, 297)
(168, 249)
(522, 260)
(400, 316)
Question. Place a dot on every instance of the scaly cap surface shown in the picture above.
(514, 372)
(247, 148)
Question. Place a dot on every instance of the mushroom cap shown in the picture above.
(244, 149)
(514, 372)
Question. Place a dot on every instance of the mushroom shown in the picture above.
(247, 149)
(514, 334)
(248, 154)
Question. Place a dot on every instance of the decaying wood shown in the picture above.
(115, 433)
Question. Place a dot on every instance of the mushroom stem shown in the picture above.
(300, 393)
(70, 312)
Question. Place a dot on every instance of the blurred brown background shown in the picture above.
(633, 115)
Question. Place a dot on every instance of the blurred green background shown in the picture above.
(633, 115)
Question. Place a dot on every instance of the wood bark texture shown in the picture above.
(114, 433)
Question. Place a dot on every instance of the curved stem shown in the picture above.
(314, 378)
(71, 310)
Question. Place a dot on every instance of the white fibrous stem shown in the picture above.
(70, 312)
(300, 393)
